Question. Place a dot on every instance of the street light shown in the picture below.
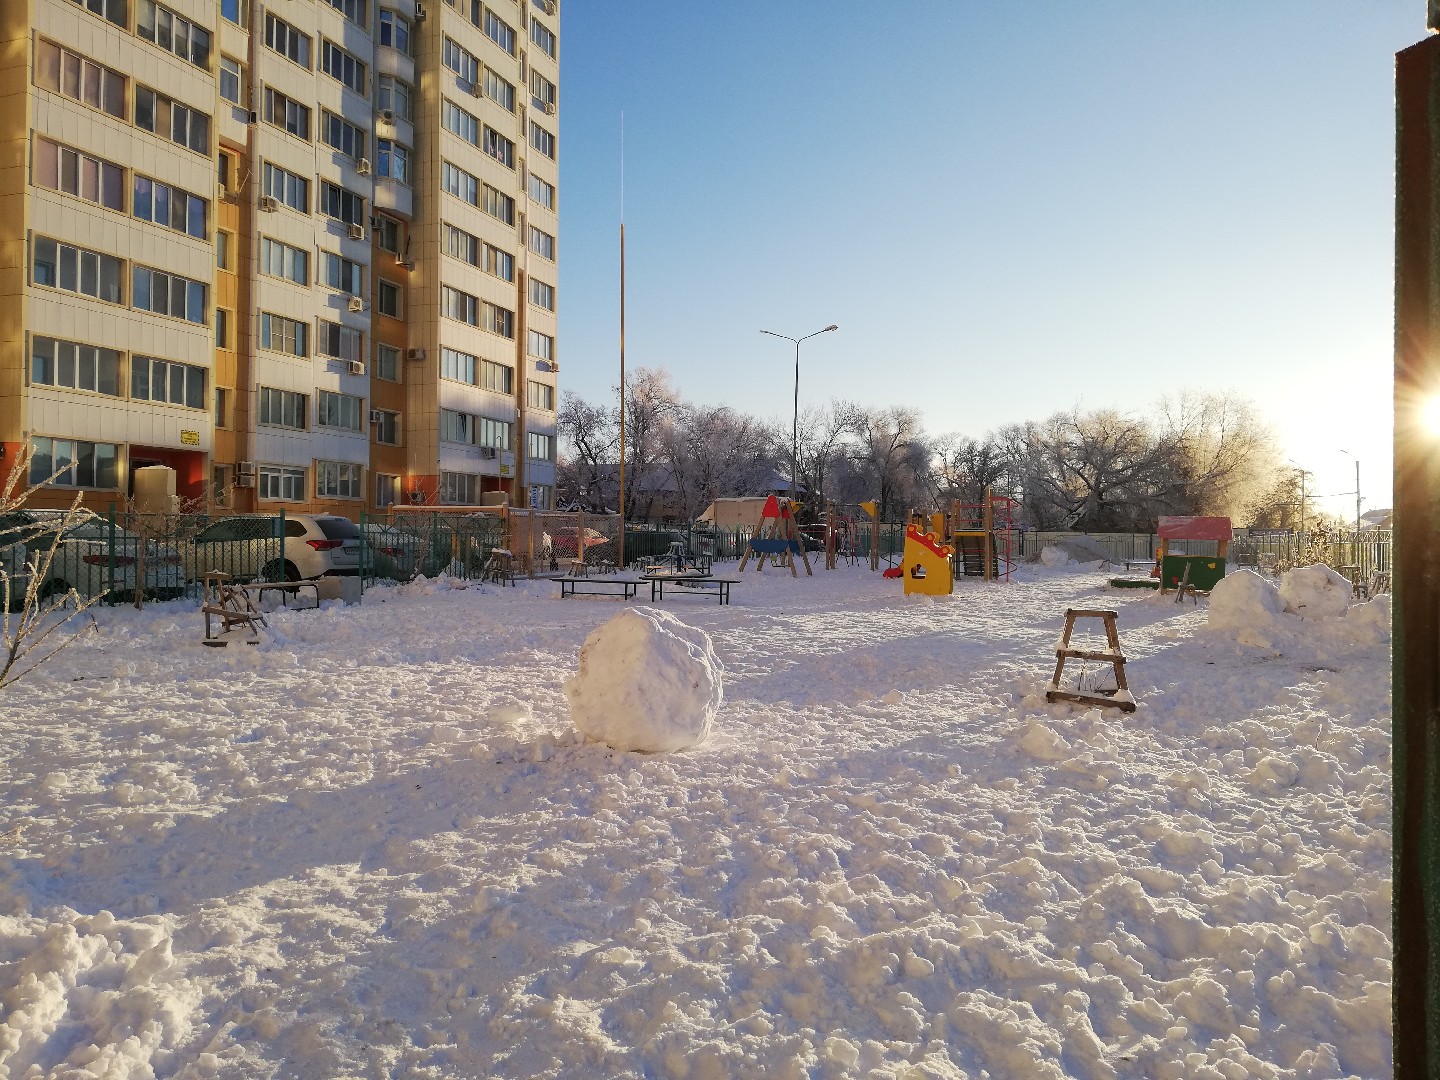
(795, 424)
(1303, 473)
(1357, 490)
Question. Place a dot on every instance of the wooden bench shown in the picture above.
(499, 567)
(231, 606)
(694, 582)
(572, 586)
(286, 589)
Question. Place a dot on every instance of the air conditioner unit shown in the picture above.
(376, 416)
(488, 452)
(356, 304)
(419, 12)
(387, 116)
(245, 468)
(415, 354)
(357, 367)
(363, 166)
(474, 89)
(245, 481)
(549, 108)
(222, 192)
(408, 264)
(357, 232)
(549, 6)
(269, 203)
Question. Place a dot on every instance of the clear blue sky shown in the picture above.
(1008, 208)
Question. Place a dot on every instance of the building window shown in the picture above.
(281, 482)
(394, 161)
(497, 320)
(287, 114)
(456, 181)
(343, 68)
(542, 497)
(457, 427)
(387, 489)
(336, 202)
(539, 395)
(114, 10)
(394, 32)
(344, 136)
(354, 10)
(542, 140)
(387, 428)
(498, 147)
(162, 293)
(60, 168)
(74, 366)
(455, 304)
(287, 41)
(542, 243)
(68, 73)
(283, 261)
(458, 489)
(459, 366)
(461, 245)
(283, 408)
(171, 120)
(388, 299)
(497, 377)
(492, 433)
(77, 270)
(222, 328)
(337, 480)
(499, 31)
(286, 187)
(394, 96)
(539, 446)
(224, 250)
(540, 345)
(279, 334)
(541, 193)
(542, 36)
(232, 11)
(338, 272)
(387, 363)
(499, 91)
(338, 410)
(169, 206)
(232, 80)
(340, 342)
(223, 397)
(460, 123)
(168, 30)
(542, 92)
(499, 205)
(74, 463)
(497, 262)
(166, 381)
(460, 62)
(388, 234)
(542, 295)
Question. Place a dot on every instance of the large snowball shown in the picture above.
(646, 682)
(1243, 599)
(1373, 617)
(1316, 592)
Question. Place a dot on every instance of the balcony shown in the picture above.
(393, 196)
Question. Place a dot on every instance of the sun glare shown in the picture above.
(1430, 414)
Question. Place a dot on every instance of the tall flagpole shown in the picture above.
(622, 342)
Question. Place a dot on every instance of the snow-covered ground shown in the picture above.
(375, 846)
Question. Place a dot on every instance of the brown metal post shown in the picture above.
(1416, 726)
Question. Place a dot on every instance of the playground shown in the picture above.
(376, 845)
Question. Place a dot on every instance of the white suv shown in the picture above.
(249, 546)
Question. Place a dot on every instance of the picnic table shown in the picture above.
(286, 589)
(570, 585)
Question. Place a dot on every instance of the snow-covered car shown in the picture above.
(91, 556)
(250, 547)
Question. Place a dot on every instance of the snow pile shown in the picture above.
(1316, 592)
(1243, 598)
(646, 682)
(1073, 551)
(1372, 617)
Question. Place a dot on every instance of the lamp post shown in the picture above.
(1357, 491)
(1303, 473)
(795, 423)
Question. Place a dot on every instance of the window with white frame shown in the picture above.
(279, 334)
(74, 366)
(344, 136)
(542, 193)
(542, 140)
(387, 489)
(496, 319)
(499, 31)
(539, 395)
(498, 205)
(286, 187)
(457, 427)
(79, 78)
(169, 206)
(354, 10)
(542, 243)
(224, 250)
(389, 234)
(342, 411)
(281, 482)
(280, 260)
(459, 489)
(114, 10)
(459, 122)
(77, 173)
(74, 463)
(232, 80)
(459, 366)
(499, 91)
(497, 377)
(455, 304)
(462, 245)
(77, 270)
(222, 328)
(542, 497)
(542, 36)
(168, 118)
(493, 433)
(394, 31)
(337, 480)
(339, 342)
(394, 160)
(498, 262)
(542, 295)
(233, 11)
(284, 408)
(394, 96)
(163, 293)
(539, 446)
(338, 272)
(498, 147)
(287, 114)
(542, 92)
(540, 345)
(336, 202)
(223, 414)
(387, 427)
(389, 299)
(153, 379)
(287, 41)
(456, 181)
(347, 70)
(460, 61)
(387, 363)
(173, 33)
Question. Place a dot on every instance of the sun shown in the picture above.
(1430, 414)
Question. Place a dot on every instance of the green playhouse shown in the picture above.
(1198, 572)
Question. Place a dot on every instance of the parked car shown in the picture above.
(90, 556)
(249, 547)
(393, 554)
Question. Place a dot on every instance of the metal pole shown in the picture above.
(795, 431)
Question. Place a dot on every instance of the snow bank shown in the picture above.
(1243, 598)
(1372, 617)
(1316, 592)
(646, 682)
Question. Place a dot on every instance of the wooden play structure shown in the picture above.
(983, 536)
(1184, 571)
(776, 536)
(1117, 698)
(927, 563)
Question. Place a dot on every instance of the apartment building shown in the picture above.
(303, 252)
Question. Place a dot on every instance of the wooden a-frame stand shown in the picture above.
(776, 535)
(1120, 698)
